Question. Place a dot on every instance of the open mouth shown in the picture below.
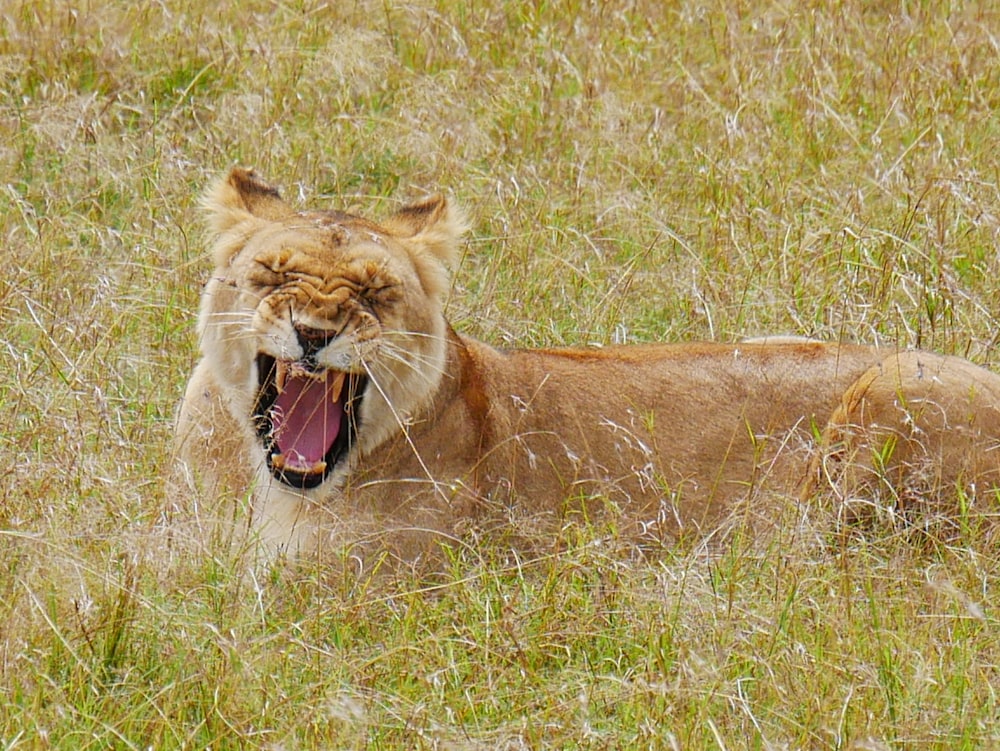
(307, 418)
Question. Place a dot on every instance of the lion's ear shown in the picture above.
(239, 196)
(431, 227)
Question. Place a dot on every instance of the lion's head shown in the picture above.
(324, 330)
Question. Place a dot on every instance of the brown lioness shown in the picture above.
(331, 383)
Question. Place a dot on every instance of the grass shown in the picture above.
(636, 171)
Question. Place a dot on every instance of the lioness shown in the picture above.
(331, 383)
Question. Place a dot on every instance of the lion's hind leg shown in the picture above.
(916, 439)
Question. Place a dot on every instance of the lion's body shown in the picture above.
(452, 433)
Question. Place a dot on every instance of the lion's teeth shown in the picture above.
(337, 387)
(279, 463)
(280, 374)
(298, 370)
(284, 370)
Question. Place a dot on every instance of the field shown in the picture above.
(635, 170)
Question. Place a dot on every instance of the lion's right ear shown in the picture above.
(240, 196)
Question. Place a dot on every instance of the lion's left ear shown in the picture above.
(432, 227)
(432, 230)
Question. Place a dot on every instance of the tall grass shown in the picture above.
(636, 170)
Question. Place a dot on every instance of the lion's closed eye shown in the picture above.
(260, 275)
(379, 293)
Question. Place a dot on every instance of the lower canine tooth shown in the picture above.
(337, 387)
(280, 374)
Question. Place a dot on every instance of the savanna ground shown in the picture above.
(635, 171)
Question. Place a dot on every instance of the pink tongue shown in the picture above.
(305, 420)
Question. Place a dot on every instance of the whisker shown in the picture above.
(234, 317)
(395, 347)
(418, 365)
(236, 336)
(240, 312)
(396, 380)
(411, 359)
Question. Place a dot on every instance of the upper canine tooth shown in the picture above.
(337, 387)
(280, 374)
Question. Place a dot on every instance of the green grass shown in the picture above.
(635, 171)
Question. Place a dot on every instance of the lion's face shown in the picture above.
(325, 330)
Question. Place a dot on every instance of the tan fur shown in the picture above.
(455, 435)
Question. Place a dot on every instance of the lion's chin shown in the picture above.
(307, 418)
